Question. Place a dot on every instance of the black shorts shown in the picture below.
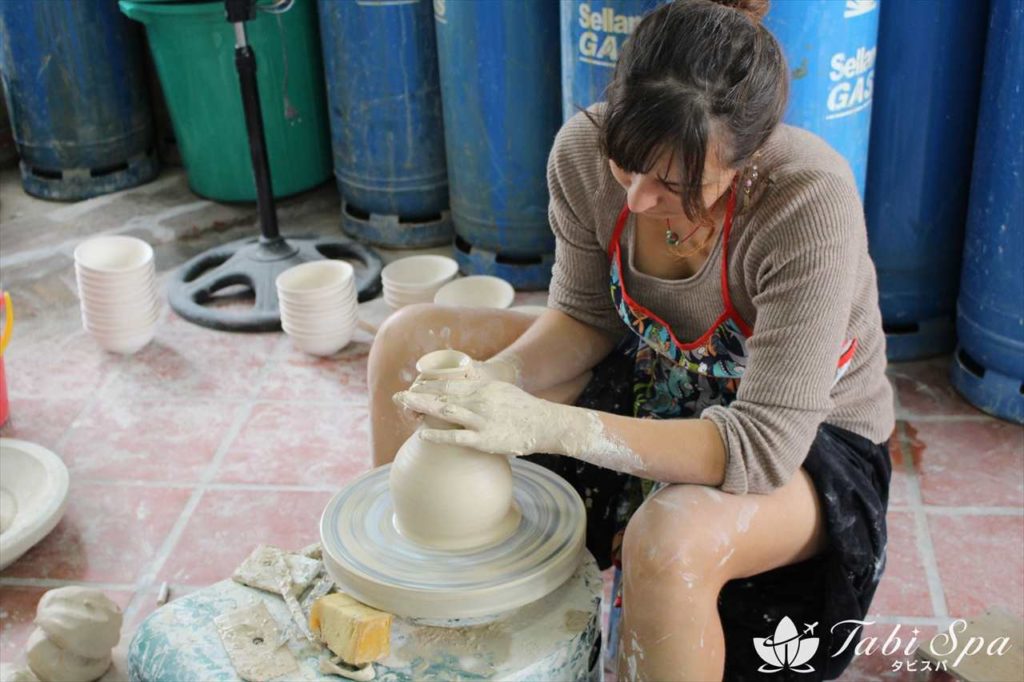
(851, 476)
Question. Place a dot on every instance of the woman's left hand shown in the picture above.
(495, 416)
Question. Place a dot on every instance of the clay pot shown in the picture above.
(450, 497)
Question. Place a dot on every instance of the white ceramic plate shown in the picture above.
(33, 496)
(476, 291)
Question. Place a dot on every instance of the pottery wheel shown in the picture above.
(369, 559)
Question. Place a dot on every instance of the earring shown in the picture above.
(748, 184)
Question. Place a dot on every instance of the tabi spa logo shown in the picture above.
(788, 649)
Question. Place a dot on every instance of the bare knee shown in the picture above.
(674, 541)
(408, 334)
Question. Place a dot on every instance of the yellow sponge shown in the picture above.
(355, 632)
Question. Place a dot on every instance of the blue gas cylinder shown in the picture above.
(830, 46)
(500, 81)
(922, 140)
(988, 365)
(593, 32)
(76, 92)
(380, 62)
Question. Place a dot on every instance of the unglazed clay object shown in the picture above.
(447, 496)
(371, 561)
(50, 663)
(81, 620)
(37, 480)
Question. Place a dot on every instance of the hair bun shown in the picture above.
(753, 9)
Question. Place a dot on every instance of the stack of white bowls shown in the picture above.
(117, 288)
(319, 305)
(416, 279)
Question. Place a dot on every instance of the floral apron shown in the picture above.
(673, 379)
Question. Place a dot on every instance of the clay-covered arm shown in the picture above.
(657, 445)
(501, 418)
(554, 351)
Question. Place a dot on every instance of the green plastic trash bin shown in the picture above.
(193, 49)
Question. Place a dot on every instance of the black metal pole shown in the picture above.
(245, 62)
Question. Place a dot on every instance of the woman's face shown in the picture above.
(656, 194)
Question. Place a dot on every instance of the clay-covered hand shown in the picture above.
(498, 417)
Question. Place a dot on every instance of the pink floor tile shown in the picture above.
(17, 612)
(898, 486)
(903, 590)
(887, 652)
(969, 463)
(981, 562)
(185, 361)
(68, 367)
(923, 388)
(42, 420)
(228, 524)
(297, 376)
(122, 439)
(109, 534)
(300, 445)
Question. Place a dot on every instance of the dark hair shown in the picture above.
(692, 67)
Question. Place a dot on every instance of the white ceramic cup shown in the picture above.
(113, 254)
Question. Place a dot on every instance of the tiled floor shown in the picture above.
(186, 455)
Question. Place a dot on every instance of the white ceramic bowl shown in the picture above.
(321, 344)
(426, 297)
(397, 303)
(339, 329)
(342, 299)
(146, 287)
(123, 342)
(117, 293)
(111, 254)
(417, 291)
(293, 318)
(145, 270)
(419, 272)
(315, 278)
(120, 322)
(320, 317)
(112, 289)
(126, 326)
(34, 486)
(476, 291)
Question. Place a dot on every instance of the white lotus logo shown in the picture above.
(786, 649)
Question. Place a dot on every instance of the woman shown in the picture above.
(710, 376)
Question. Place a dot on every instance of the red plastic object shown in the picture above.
(5, 336)
(5, 408)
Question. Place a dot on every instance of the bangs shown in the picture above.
(653, 119)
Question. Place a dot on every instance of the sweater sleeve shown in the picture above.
(805, 265)
(580, 279)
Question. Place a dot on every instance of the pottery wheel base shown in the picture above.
(373, 562)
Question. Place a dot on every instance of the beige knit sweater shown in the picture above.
(799, 273)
